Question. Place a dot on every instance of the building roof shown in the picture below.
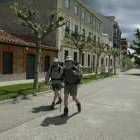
(9, 38)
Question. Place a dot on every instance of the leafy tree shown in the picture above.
(39, 30)
(135, 46)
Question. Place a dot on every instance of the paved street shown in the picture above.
(110, 111)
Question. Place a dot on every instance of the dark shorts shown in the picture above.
(57, 86)
(71, 89)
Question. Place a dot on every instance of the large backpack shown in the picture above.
(59, 69)
(79, 75)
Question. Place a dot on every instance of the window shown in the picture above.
(75, 56)
(76, 9)
(106, 61)
(93, 62)
(89, 36)
(94, 38)
(88, 59)
(83, 31)
(98, 39)
(7, 63)
(67, 27)
(83, 34)
(83, 14)
(83, 59)
(47, 63)
(110, 62)
(67, 3)
(66, 53)
(76, 29)
(30, 66)
(98, 25)
(94, 22)
(102, 61)
(89, 19)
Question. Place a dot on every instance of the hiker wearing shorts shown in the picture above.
(55, 74)
(71, 75)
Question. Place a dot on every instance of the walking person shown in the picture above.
(71, 76)
(55, 73)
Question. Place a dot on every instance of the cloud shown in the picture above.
(126, 12)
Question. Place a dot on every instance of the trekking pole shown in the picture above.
(60, 102)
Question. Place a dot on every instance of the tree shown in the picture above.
(80, 41)
(99, 49)
(109, 53)
(40, 31)
(115, 53)
(135, 47)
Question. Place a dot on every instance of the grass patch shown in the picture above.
(13, 91)
(89, 78)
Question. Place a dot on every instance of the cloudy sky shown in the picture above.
(127, 13)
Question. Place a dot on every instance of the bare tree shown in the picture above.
(115, 53)
(39, 30)
(80, 41)
(109, 53)
(98, 49)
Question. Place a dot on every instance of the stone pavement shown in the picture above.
(110, 111)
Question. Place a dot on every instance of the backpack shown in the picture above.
(59, 69)
(79, 75)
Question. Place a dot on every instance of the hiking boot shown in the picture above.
(59, 101)
(79, 107)
(65, 114)
(52, 106)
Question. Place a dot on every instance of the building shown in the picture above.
(116, 32)
(79, 19)
(17, 58)
(107, 26)
(124, 44)
(17, 45)
(124, 47)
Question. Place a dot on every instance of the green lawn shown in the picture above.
(9, 92)
(89, 78)
(13, 91)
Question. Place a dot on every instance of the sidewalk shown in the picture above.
(110, 111)
(14, 114)
(7, 83)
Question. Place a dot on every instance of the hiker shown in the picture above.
(55, 73)
(71, 76)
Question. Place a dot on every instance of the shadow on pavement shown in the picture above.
(133, 74)
(56, 120)
(41, 109)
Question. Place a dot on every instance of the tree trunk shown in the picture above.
(80, 56)
(109, 65)
(114, 64)
(97, 64)
(37, 65)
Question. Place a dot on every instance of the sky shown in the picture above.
(127, 13)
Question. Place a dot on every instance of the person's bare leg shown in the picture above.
(59, 97)
(77, 103)
(65, 114)
(54, 99)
